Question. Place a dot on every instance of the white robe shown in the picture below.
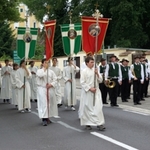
(70, 87)
(14, 87)
(32, 82)
(24, 94)
(6, 84)
(89, 114)
(46, 107)
(58, 74)
(0, 78)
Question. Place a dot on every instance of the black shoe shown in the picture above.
(142, 99)
(111, 105)
(116, 105)
(101, 127)
(44, 123)
(105, 103)
(128, 98)
(4, 100)
(8, 101)
(139, 103)
(88, 127)
(35, 100)
(59, 105)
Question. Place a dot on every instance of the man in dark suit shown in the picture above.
(102, 86)
(113, 72)
(138, 74)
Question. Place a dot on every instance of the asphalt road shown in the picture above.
(125, 129)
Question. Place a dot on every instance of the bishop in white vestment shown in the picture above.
(46, 97)
(91, 115)
(69, 73)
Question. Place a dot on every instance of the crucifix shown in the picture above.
(48, 8)
(70, 16)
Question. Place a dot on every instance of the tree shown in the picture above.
(9, 11)
(6, 39)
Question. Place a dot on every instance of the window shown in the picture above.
(21, 9)
(34, 25)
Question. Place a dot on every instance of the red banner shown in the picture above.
(90, 31)
(49, 41)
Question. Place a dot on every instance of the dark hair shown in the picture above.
(21, 62)
(69, 59)
(15, 64)
(31, 62)
(6, 60)
(43, 60)
(54, 58)
(87, 59)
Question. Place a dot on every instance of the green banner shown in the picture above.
(71, 38)
(26, 42)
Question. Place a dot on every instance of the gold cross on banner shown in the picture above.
(48, 8)
(70, 16)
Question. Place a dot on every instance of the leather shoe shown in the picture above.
(116, 105)
(101, 127)
(88, 127)
(44, 123)
(142, 99)
(139, 103)
(105, 103)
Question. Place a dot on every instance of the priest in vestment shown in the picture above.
(33, 69)
(69, 73)
(91, 115)
(46, 97)
(58, 74)
(22, 83)
(6, 84)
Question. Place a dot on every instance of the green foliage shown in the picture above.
(6, 39)
(40, 49)
(9, 11)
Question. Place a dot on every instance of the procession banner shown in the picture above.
(71, 38)
(26, 42)
(50, 32)
(90, 31)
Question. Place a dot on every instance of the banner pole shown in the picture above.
(96, 15)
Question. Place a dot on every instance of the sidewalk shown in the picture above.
(145, 104)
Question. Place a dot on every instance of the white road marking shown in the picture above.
(132, 109)
(68, 126)
(136, 112)
(56, 117)
(113, 141)
(60, 122)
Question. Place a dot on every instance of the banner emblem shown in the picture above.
(27, 37)
(49, 33)
(72, 34)
(94, 30)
